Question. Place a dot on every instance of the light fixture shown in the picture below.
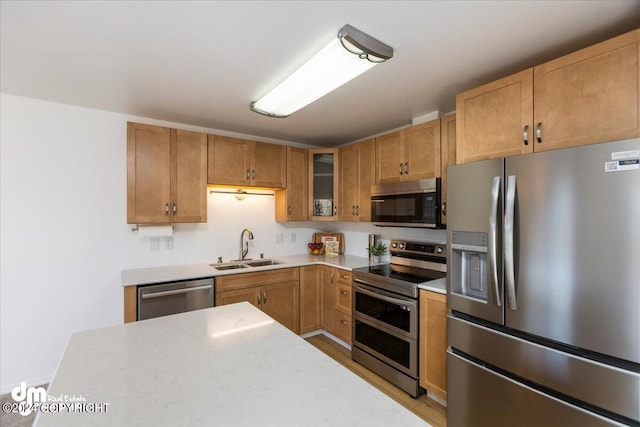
(347, 56)
(240, 193)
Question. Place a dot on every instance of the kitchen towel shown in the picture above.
(155, 230)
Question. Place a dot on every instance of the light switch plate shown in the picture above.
(154, 243)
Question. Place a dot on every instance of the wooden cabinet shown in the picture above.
(234, 161)
(343, 325)
(310, 298)
(433, 343)
(292, 202)
(276, 292)
(323, 184)
(589, 96)
(357, 173)
(586, 97)
(409, 154)
(447, 156)
(166, 175)
(328, 299)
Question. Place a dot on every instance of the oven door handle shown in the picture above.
(405, 303)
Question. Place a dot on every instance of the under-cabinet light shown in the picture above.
(240, 194)
(344, 58)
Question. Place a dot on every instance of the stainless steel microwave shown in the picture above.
(407, 204)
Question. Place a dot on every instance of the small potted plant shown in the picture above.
(377, 250)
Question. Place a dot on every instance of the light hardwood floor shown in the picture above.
(424, 407)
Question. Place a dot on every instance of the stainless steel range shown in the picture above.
(385, 310)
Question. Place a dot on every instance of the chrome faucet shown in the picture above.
(244, 247)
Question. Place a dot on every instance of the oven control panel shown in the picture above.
(418, 248)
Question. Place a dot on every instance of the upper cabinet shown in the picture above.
(356, 176)
(409, 154)
(166, 175)
(586, 97)
(589, 96)
(447, 156)
(234, 161)
(292, 203)
(323, 184)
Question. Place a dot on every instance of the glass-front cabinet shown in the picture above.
(323, 183)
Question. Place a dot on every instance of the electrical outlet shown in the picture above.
(293, 237)
(279, 237)
(168, 243)
(154, 243)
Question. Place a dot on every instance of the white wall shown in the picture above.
(64, 238)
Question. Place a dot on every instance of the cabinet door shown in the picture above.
(343, 326)
(447, 156)
(329, 299)
(323, 184)
(390, 157)
(252, 295)
(189, 176)
(148, 174)
(310, 298)
(343, 297)
(366, 177)
(422, 151)
(433, 343)
(292, 202)
(492, 118)
(349, 183)
(280, 301)
(229, 161)
(269, 165)
(589, 96)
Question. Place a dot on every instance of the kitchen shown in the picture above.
(64, 233)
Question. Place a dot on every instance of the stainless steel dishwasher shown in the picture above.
(163, 299)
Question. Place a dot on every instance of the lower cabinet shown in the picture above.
(328, 300)
(310, 298)
(275, 292)
(336, 303)
(433, 343)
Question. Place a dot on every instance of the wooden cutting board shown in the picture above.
(317, 238)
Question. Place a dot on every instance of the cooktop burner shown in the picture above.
(399, 273)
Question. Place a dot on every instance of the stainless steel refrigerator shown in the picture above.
(544, 288)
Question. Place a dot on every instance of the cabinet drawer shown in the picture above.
(343, 326)
(343, 297)
(259, 278)
(344, 276)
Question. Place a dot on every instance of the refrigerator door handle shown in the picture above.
(509, 266)
(493, 240)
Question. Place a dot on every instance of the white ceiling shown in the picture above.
(202, 63)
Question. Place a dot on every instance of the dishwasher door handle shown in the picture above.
(175, 292)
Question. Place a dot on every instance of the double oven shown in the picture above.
(386, 311)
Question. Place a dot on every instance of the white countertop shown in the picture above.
(438, 286)
(144, 276)
(231, 365)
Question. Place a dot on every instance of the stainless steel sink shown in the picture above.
(263, 262)
(244, 264)
(228, 266)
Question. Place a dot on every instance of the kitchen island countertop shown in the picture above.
(230, 365)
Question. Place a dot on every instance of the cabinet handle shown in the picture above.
(400, 168)
(258, 298)
(175, 208)
(335, 210)
(525, 135)
(344, 293)
(406, 168)
(248, 174)
(353, 210)
(289, 210)
(344, 322)
(264, 297)
(539, 132)
(166, 209)
(331, 279)
(444, 208)
(253, 174)
(357, 210)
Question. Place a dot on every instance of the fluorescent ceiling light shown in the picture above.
(344, 58)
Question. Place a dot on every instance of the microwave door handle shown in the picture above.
(509, 265)
(493, 240)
